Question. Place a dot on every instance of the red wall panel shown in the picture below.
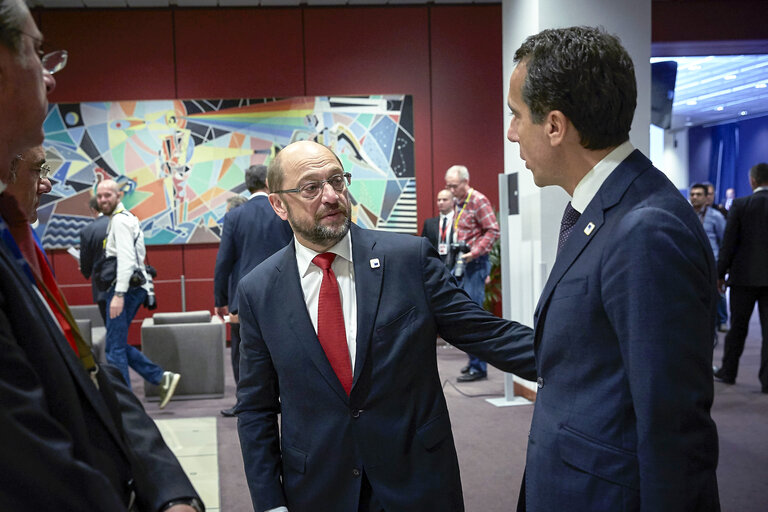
(199, 261)
(113, 54)
(467, 96)
(375, 51)
(239, 53)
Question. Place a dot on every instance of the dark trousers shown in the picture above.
(235, 348)
(743, 300)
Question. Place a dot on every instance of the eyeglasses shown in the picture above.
(54, 61)
(44, 170)
(311, 189)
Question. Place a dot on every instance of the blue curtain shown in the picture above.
(722, 162)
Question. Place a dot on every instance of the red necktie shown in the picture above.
(330, 322)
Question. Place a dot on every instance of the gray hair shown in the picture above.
(13, 13)
(461, 171)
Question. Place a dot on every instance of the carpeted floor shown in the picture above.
(491, 441)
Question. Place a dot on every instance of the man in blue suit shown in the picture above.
(252, 233)
(624, 324)
(338, 330)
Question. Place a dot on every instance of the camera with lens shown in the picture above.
(457, 249)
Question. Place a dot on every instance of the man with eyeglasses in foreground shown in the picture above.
(339, 329)
(74, 436)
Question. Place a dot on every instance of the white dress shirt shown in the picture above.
(448, 225)
(311, 277)
(594, 179)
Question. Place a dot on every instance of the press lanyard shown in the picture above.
(456, 222)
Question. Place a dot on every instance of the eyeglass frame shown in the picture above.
(320, 184)
(63, 55)
(44, 170)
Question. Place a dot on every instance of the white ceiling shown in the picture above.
(717, 89)
(234, 3)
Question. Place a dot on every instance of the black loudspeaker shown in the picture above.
(663, 76)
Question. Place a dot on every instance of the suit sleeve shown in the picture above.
(658, 291)
(225, 262)
(158, 476)
(257, 408)
(86, 258)
(730, 240)
(505, 344)
(39, 468)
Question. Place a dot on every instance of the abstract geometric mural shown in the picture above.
(178, 161)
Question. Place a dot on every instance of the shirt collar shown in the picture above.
(594, 179)
(304, 255)
(257, 194)
(759, 189)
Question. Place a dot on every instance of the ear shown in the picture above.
(278, 206)
(556, 125)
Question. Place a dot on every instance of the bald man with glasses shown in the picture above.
(338, 329)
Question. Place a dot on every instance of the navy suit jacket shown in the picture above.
(394, 425)
(623, 344)
(67, 445)
(252, 233)
(92, 252)
(744, 252)
(431, 230)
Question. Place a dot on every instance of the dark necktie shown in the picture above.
(330, 322)
(570, 217)
(443, 228)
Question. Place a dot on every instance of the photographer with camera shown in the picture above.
(132, 287)
(476, 230)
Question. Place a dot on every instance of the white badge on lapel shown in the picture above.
(375, 263)
(589, 228)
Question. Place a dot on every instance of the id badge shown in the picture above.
(442, 249)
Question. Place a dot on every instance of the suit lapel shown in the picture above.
(369, 271)
(60, 344)
(288, 282)
(590, 222)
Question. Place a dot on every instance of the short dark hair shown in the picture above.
(256, 178)
(586, 74)
(11, 21)
(698, 185)
(93, 204)
(759, 173)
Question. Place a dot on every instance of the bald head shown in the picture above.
(293, 154)
(108, 195)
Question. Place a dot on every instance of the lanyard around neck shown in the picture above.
(463, 206)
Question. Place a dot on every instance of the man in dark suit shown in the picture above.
(744, 258)
(623, 327)
(252, 232)
(92, 254)
(439, 230)
(72, 439)
(339, 330)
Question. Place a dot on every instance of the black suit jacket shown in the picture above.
(431, 231)
(92, 252)
(66, 444)
(394, 425)
(252, 233)
(744, 253)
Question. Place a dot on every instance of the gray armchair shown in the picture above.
(92, 328)
(189, 343)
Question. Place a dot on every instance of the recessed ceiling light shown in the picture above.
(690, 102)
(761, 86)
(743, 113)
(720, 108)
(730, 77)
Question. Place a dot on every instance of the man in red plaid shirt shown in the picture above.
(475, 225)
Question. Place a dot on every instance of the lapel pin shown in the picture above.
(589, 228)
(375, 263)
